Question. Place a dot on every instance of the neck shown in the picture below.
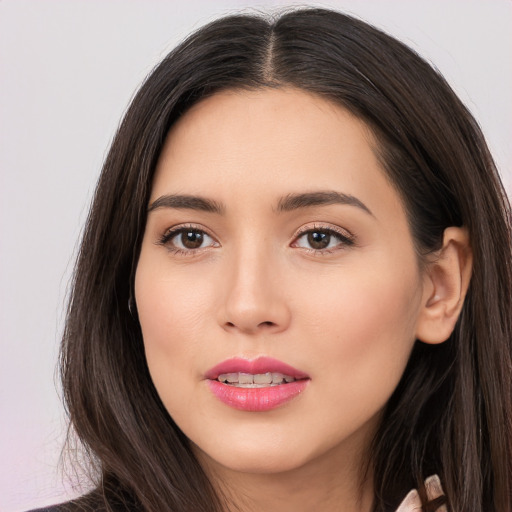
(327, 483)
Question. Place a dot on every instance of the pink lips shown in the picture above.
(256, 399)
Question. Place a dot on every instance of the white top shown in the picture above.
(412, 502)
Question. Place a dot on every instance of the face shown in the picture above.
(278, 289)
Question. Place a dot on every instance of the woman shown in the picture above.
(293, 291)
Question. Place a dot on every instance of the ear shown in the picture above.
(446, 281)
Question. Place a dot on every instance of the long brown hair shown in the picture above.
(451, 414)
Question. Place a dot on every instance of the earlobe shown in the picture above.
(446, 282)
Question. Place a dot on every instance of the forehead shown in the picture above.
(269, 142)
(267, 118)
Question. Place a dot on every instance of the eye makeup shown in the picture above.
(187, 240)
(323, 239)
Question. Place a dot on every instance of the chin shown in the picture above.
(257, 456)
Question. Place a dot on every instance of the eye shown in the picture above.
(323, 239)
(187, 239)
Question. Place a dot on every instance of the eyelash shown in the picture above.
(174, 232)
(345, 239)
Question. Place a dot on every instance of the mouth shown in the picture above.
(256, 385)
(260, 380)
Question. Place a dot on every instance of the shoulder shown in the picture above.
(65, 507)
(95, 502)
(55, 508)
(90, 503)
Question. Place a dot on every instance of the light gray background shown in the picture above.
(67, 72)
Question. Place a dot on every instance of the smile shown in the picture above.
(255, 385)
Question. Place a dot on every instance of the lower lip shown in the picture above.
(257, 399)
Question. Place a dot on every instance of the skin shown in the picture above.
(347, 315)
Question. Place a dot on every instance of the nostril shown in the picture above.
(267, 324)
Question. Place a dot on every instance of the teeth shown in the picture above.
(245, 378)
(277, 378)
(260, 380)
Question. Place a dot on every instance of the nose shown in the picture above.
(255, 297)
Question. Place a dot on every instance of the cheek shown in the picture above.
(173, 313)
(163, 312)
(363, 331)
(169, 300)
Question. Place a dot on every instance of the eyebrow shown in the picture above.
(306, 200)
(186, 202)
(287, 203)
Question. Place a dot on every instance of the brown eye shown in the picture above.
(187, 239)
(318, 240)
(191, 239)
(323, 239)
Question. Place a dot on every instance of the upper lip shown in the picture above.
(254, 366)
